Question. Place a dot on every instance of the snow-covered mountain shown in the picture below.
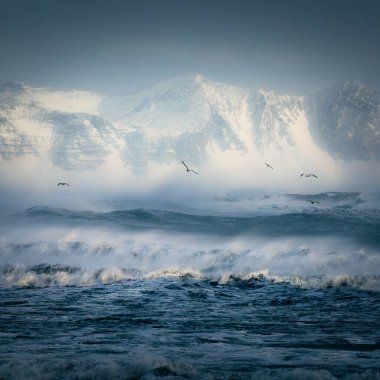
(187, 118)
(178, 120)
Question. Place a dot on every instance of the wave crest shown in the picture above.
(44, 275)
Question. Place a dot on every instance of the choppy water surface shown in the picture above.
(142, 294)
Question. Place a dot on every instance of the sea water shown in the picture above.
(283, 290)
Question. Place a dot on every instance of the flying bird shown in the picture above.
(312, 202)
(268, 166)
(63, 184)
(189, 170)
(308, 175)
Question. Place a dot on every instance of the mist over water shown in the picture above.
(180, 277)
(213, 191)
(242, 232)
(238, 272)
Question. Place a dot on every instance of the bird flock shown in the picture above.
(188, 170)
(306, 175)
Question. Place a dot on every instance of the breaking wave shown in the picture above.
(44, 275)
(106, 256)
(335, 243)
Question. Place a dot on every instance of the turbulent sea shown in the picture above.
(268, 287)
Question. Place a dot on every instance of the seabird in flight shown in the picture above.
(268, 166)
(308, 175)
(312, 202)
(63, 184)
(189, 170)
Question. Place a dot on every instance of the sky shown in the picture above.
(119, 46)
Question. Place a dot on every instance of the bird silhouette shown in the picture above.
(189, 170)
(308, 175)
(63, 184)
(268, 166)
(312, 202)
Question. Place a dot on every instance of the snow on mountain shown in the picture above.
(271, 116)
(62, 126)
(191, 118)
(79, 140)
(177, 120)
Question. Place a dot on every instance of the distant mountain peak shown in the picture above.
(354, 83)
(344, 120)
(183, 78)
(199, 78)
(357, 94)
(352, 88)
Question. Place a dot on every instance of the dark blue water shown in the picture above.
(187, 328)
(155, 294)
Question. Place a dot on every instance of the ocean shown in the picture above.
(254, 287)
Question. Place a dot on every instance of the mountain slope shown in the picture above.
(176, 120)
(60, 126)
(345, 120)
(189, 118)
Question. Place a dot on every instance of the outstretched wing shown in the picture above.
(185, 165)
(314, 175)
(194, 171)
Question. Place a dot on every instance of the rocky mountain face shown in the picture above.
(35, 122)
(271, 115)
(345, 121)
(79, 140)
(186, 118)
(13, 142)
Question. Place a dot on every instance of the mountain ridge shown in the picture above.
(186, 118)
